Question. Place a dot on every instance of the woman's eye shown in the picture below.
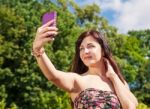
(91, 46)
(81, 49)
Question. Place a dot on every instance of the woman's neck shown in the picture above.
(99, 69)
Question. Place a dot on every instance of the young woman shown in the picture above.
(95, 81)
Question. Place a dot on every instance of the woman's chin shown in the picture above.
(90, 64)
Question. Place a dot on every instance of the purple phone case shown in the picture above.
(49, 16)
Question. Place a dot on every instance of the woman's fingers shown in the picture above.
(39, 42)
(46, 29)
(49, 34)
(48, 39)
(106, 60)
(110, 70)
(44, 34)
(48, 23)
(107, 64)
(109, 67)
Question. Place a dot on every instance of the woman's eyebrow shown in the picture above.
(87, 44)
(90, 44)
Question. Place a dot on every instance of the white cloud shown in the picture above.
(133, 15)
(110, 4)
(128, 14)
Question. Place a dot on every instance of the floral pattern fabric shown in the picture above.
(96, 99)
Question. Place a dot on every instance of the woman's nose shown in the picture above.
(86, 50)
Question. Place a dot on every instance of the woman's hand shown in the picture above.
(44, 34)
(126, 97)
(110, 71)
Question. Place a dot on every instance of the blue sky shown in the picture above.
(124, 14)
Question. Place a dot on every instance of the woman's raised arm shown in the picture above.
(61, 79)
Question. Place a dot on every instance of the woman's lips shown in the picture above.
(87, 57)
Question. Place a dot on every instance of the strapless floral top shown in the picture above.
(96, 99)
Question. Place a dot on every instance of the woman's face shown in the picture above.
(90, 51)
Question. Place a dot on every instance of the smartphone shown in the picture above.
(49, 16)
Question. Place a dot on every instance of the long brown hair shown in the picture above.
(79, 67)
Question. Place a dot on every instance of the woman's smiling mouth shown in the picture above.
(87, 57)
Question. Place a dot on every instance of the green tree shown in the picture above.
(141, 85)
(22, 83)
